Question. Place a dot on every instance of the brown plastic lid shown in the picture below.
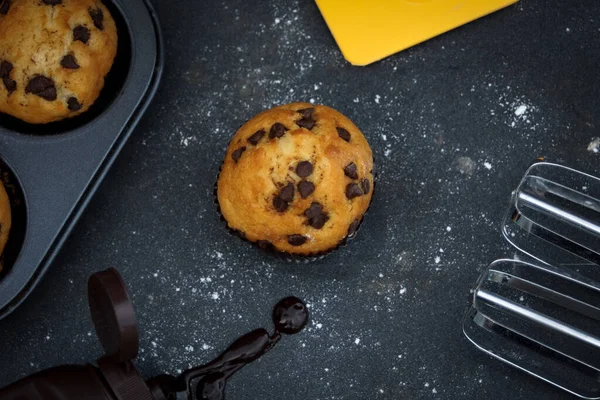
(113, 315)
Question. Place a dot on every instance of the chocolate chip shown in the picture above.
(314, 210)
(280, 204)
(316, 216)
(5, 68)
(9, 84)
(365, 185)
(307, 112)
(42, 86)
(307, 121)
(265, 245)
(4, 6)
(319, 221)
(285, 196)
(296, 240)
(306, 188)
(238, 153)
(73, 104)
(240, 233)
(353, 190)
(277, 130)
(304, 169)
(353, 226)
(344, 134)
(98, 17)
(287, 193)
(81, 33)
(52, 2)
(69, 62)
(256, 136)
(350, 171)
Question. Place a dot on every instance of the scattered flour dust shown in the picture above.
(520, 110)
(487, 165)
(465, 165)
(182, 134)
(516, 110)
(521, 113)
(594, 146)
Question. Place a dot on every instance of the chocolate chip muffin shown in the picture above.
(54, 55)
(297, 178)
(5, 219)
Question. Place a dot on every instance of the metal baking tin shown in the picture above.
(53, 170)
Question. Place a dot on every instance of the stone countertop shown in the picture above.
(387, 308)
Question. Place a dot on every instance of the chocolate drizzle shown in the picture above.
(208, 381)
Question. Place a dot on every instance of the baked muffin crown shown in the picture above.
(54, 56)
(296, 177)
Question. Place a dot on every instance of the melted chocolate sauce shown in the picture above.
(207, 382)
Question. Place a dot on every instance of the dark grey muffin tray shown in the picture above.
(51, 171)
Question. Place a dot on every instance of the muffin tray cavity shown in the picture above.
(51, 171)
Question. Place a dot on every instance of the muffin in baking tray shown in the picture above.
(54, 56)
(5, 221)
(297, 178)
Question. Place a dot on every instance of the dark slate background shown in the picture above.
(386, 317)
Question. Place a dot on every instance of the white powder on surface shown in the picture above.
(465, 165)
(594, 146)
(520, 110)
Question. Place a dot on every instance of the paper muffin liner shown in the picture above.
(283, 255)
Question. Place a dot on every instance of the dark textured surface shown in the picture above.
(386, 309)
